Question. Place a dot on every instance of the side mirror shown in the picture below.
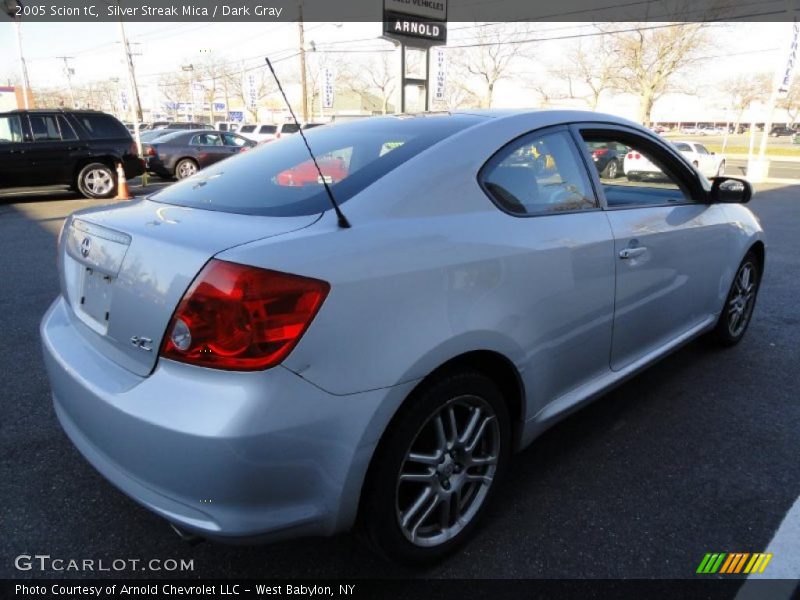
(730, 190)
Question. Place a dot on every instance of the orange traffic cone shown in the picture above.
(123, 193)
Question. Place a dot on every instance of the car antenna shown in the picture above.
(343, 222)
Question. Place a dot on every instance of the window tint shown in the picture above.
(280, 180)
(539, 174)
(223, 127)
(207, 139)
(44, 128)
(234, 140)
(268, 129)
(289, 128)
(701, 149)
(10, 129)
(67, 132)
(683, 147)
(100, 126)
(644, 179)
(248, 128)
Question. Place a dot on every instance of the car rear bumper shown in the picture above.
(226, 455)
(133, 166)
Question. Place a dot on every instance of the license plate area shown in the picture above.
(95, 300)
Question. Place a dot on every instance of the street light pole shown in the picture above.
(303, 75)
(68, 73)
(26, 84)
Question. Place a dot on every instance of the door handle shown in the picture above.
(628, 253)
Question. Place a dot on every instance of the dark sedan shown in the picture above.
(183, 153)
(608, 157)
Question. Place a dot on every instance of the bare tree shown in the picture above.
(263, 86)
(174, 89)
(492, 56)
(791, 102)
(651, 58)
(743, 90)
(591, 66)
(376, 78)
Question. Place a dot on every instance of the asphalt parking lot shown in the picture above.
(698, 454)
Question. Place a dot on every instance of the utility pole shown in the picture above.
(10, 8)
(303, 79)
(69, 73)
(133, 89)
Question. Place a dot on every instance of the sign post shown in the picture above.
(421, 25)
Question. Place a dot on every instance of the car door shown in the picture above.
(670, 249)
(562, 273)
(49, 152)
(209, 148)
(236, 143)
(15, 166)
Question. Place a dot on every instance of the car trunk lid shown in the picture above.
(124, 270)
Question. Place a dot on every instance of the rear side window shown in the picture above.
(102, 127)
(268, 129)
(280, 179)
(44, 128)
(67, 132)
(10, 129)
(248, 128)
(540, 173)
(683, 147)
(289, 128)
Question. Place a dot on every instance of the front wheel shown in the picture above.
(436, 469)
(740, 302)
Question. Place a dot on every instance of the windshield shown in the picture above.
(279, 179)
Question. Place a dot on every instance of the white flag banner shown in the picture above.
(328, 87)
(439, 74)
(788, 72)
(250, 90)
(197, 95)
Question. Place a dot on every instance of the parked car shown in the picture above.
(154, 134)
(180, 125)
(781, 131)
(608, 158)
(334, 170)
(183, 153)
(232, 126)
(263, 132)
(306, 371)
(75, 148)
(708, 163)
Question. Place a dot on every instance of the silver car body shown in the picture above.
(430, 271)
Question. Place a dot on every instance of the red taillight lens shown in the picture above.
(242, 318)
(599, 152)
(630, 155)
(149, 151)
(637, 156)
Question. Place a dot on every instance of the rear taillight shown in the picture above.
(242, 318)
(633, 155)
(149, 151)
(599, 152)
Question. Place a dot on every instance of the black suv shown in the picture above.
(75, 148)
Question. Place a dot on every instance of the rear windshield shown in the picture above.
(683, 147)
(279, 179)
(268, 129)
(102, 127)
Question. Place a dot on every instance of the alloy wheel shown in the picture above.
(447, 471)
(98, 182)
(741, 299)
(186, 169)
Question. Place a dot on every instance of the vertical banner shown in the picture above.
(328, 87)
(250, 90)
(439, 74)
(788, 72)
(197, 96)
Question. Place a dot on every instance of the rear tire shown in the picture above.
(186, 167)
(429, 482)
(739, 303)
(612, 169)
(97, 180)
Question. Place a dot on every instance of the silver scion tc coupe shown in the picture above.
(233, 358)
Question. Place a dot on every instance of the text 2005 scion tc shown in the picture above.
(227, 339)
